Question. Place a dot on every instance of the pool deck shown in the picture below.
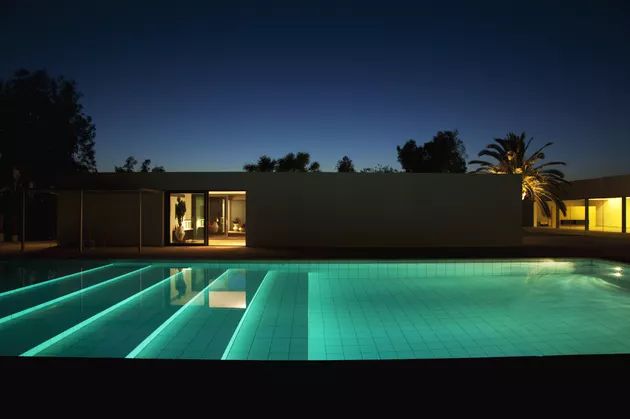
(536, 243)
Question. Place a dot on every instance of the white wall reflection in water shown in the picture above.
(229, 291)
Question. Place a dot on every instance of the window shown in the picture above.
(541, 220)
(575, 219)
(227, 214)
(186, 218)
(604, 214)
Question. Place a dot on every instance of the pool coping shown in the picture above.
(93, 367)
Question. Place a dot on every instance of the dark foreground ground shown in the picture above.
(530, 380)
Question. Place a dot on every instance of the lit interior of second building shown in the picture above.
(604, 214)
(575, 218)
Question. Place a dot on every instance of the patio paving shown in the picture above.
(536, 243)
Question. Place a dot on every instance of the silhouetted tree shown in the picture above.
(44, 132)
(379, 169)
(146, 166)
(540, 184)
(445, 153)
(296, 163)
(411, 157)
(300, 162)
(43, 129)
(265, 164)
(130, 165)
(345, 165)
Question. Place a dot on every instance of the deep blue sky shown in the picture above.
(210, 88)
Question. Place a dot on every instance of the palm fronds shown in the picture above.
(540, 184)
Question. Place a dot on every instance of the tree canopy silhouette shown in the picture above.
(445, 153)
(43, 129)
(345, 165)
(130, 164)
(265, 164)
(300, 162)
(379, 169)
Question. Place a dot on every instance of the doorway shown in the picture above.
(227, 215)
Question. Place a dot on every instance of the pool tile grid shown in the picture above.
(383, 311)
(421, 268)
(276, 326)
(342, 334)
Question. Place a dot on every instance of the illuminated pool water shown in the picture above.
(316, 311)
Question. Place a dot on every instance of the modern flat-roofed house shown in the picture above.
(289, 209)
(592, 205)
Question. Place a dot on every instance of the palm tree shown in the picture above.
(540, 183)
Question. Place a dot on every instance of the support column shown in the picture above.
(206, 217)
(624, 209)
(81, 221)
(23, 220)
(228, 211)
(557, 217)
(162, 218)
(587, 221)
(140, 222)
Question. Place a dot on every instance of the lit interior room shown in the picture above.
(227, 215)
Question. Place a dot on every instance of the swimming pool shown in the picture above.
(324, 310)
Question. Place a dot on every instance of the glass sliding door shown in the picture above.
(575, 219)
(604, 214)
(216, 216)
(227, 212)
(187, 218)
(540, 219)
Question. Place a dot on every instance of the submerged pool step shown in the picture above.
(275, 326)
(18, 302)
(117, 331)
(16, 277)
(204, 327)
(50, 342)
(37, 325)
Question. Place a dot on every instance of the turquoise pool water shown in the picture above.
(328, 310)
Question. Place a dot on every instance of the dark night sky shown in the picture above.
(209, 87)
